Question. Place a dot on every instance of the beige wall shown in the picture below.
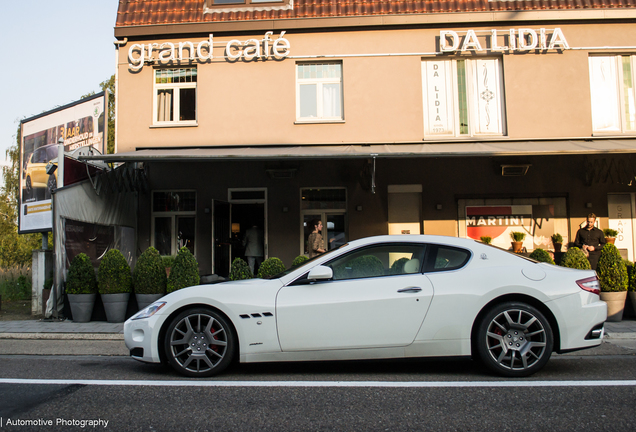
(251, 103)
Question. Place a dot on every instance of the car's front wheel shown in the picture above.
(199, 343)
(514, 339)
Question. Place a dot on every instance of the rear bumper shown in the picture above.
(581, 318)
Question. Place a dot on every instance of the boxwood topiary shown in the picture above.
(240, 270)
(398, 266)
(113, 274)
(367, 266)
(299, 260)
(184, 272)
(632, 279)
(149, 275)
(611, 270)
(270, 267)
(576, 259)
(81, 276)
(541, 255)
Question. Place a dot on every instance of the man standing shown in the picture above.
(591, 240)
(253, 242)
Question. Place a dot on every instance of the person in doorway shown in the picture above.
(315, 243)
(253, 242)
(591, 240)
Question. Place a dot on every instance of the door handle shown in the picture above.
(410, 290)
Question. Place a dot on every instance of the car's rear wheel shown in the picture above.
(51, 184)
(28, 187)
(199, 343)
(514, 339)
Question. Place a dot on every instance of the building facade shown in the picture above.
(464, 119)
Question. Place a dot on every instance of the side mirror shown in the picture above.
(320, 273)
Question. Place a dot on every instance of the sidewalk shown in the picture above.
(101, 330)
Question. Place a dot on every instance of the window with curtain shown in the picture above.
(463, 98)
(612, 92)
(175, 96)
(319, 92)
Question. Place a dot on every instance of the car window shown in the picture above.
(378, 261)
(51, 153)
(446, 258)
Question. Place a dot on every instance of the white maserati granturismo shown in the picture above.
(379, 298)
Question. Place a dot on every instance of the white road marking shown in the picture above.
(379, 384)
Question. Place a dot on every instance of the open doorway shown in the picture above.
(249, 217)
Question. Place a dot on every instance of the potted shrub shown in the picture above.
(149, 278)
(576, 259)
(398, 266)
(612, 276)
(270, 267)
(184, 272)
(541, 255)
(299, 260)
(168, 262)
(81, 288)
(557, 241)
(610, 235)
(114, 282)
(240, 270)
(631, 289)
(517, 240)
(486, 239)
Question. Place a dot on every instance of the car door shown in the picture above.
(377, 298)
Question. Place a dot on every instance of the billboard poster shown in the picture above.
(80, 124)
(498, 222)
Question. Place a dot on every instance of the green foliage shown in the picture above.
(270, 267)
(184, 272)
(557, 238)
(608, 232)
(517, 236)
(12, 288)
(168, 261)
(240, 270)
(149, 275)
(611, 270)
(576, 259)
(398, 265)
(486, 239)
(81, 276)
(632, 278)
(113, 274)
(367, 266)
(299, 260)
(541, 255)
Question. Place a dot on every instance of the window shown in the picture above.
(319, 92)
(446, 258)
(219, 6)
(463, 98)
(175, 96)
(612, 90)
(173, 221)
(380, 260)
(328, 205)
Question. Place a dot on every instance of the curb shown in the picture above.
(620, 335)
(63, 336)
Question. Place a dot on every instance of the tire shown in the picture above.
(50, 185)
(514, 339)
(199, 343)
(28, 188)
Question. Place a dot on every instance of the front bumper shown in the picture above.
(141, 338)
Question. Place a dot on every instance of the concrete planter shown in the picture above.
(115, 306)
(615, 304)
(81, 306)
(144, 300)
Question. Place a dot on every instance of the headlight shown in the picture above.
(149, 311)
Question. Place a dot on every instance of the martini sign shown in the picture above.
(498, 222)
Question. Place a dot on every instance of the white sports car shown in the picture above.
(377, 298)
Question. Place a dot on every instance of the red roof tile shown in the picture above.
(151, 12)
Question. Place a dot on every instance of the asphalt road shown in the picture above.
(592, 390)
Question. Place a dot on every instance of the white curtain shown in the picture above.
(331, 101)
(604, 90)
(164, 105)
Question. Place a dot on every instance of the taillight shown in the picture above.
(590, 284)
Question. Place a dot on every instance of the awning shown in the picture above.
(490, 148)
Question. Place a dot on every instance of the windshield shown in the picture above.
(306, 263)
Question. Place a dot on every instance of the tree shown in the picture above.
(14, 249)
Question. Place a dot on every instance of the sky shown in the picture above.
(54, 52)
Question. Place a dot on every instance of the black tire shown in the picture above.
(28, 188)
(51, 184)
(514, 339)
(199, 342)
